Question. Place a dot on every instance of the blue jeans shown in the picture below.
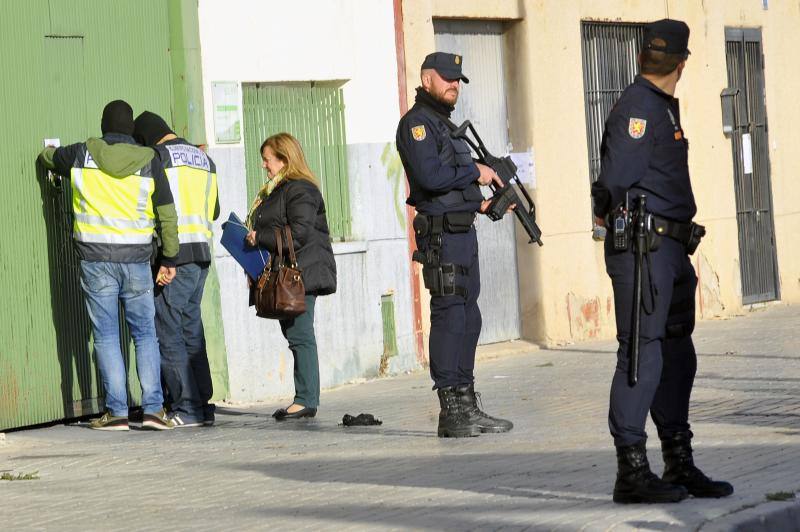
(105, 284)
(184, 360)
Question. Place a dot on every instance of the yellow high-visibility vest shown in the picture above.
(193, 181)
(111, 210)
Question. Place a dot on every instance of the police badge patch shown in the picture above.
(418, 132)
(637, 127)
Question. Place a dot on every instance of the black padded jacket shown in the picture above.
(299, 204)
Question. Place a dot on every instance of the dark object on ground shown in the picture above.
(360, 420)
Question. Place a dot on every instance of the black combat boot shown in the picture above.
(469, 402)
(636, 483)
(679, 468)
(453, 419)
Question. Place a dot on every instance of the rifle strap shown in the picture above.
(434, 115)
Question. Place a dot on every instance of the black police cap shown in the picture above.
(674, 33)
(447, 65)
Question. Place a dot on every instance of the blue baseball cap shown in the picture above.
(668, 36)
(447, 65)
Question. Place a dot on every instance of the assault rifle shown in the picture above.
(509, 194)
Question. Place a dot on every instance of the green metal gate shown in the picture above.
(63, 61)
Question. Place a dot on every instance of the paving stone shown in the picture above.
(554, 471)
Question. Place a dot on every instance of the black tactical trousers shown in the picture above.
(667, 358)
(456, 320)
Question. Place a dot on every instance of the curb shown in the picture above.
(503, 349)
(768, 517)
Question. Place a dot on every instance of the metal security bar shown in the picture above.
(610, 51)
(314, 114)
(752, 181)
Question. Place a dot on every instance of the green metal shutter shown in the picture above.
(67, 60)
(313, 114)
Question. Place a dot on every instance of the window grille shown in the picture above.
(314, 114)
(610, 52)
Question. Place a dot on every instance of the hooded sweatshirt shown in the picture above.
(118, 156)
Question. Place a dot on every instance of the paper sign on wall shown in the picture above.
(526, 168)
(225, 99)
(747, 154)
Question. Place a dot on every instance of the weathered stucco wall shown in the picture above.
(344, 40)
(565, 293)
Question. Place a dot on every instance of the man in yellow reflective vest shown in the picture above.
(192, 178)
(120, 195)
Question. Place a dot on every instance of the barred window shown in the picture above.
(312, 112)
(610, 52)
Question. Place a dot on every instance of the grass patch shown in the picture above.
(780, 496)
(545, 365)
(20, 476)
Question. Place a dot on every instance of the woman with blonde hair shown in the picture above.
(291, 196)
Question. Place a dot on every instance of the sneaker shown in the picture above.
(182, 420)
(158, 421)
(109, 422)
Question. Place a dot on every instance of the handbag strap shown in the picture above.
(279, 242)
(290, 242)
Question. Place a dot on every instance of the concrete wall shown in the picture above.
(565, 293)
(353, 41)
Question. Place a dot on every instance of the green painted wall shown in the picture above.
(189, 122)
(63, 61)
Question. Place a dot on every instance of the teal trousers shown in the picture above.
(299, 332)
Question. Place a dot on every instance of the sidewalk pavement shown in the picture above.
(554, 471)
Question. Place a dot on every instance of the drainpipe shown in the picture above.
(187, 76)
(416, 305)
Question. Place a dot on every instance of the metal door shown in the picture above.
(67, 120)
(750, 146)
(483, 101)
(69, 59)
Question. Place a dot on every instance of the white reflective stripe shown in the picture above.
(208, 198)
(192, 220)
(172, 177)
(144, 195)
(190, 238)
(77, 187)
(116, 223)
(96, 238)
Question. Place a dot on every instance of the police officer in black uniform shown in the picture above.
(645, 152)
(444, 188)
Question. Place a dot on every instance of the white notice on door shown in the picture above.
(747, 154)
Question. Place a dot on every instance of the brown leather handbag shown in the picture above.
(280, 292)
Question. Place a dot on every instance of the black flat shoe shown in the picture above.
(281, 413)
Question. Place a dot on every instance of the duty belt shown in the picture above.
(689, 234)
(441, 278)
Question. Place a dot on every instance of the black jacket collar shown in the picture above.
(641, 80)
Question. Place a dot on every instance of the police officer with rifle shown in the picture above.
(644, 196)
(444, 183)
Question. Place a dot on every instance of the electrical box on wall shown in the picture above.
(727, 96)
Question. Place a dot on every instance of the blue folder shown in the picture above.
(252, 259)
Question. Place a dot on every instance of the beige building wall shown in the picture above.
(566, 295)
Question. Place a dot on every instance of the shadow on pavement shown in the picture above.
(551, 485)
